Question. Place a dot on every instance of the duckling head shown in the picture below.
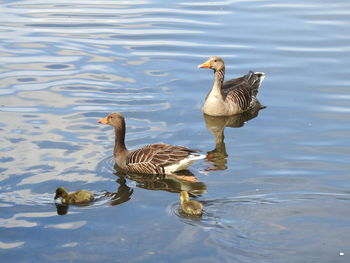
(215, 63)
(61, 192)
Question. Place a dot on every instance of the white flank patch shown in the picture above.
(183, 164)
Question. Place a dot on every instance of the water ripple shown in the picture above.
(241, 225)
(65, 65)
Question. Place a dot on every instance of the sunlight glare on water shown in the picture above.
(275, 183)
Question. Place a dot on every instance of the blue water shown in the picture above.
(275, 186)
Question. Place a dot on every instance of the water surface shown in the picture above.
(275, 186)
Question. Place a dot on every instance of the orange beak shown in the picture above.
(103, 120)
(205, 65)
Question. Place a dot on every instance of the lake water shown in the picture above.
(275, 188)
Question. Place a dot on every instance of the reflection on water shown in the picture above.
(62, 209)
(174, 183)
(280, 190)
(217, 127)
(122, 194)
(254, 226)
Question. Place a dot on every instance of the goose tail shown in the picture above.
(255, 79)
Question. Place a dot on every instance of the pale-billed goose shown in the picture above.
(233, 96)
(78, 197)
(190, 207)
(150, 159)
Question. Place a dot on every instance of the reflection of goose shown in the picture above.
(233, 96)
(175, 182)
(217, 127)
(150, 159)
(78, 197)
(190, 207)
(122, 194)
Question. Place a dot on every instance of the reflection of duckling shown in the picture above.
(78, 197)
(190, 207)
(62, 209)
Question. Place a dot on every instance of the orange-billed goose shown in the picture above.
(233, 96)
(150, 159)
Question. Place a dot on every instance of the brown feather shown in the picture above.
(150, 159)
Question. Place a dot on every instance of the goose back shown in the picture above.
(243, 90)
(154, 158)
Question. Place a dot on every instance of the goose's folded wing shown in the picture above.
(239, 92)
(153, 158)
(242, 90)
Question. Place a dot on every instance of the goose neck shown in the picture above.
(219, 76)
(119, 145)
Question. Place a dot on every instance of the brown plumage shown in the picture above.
(150, 159)
(233, 96)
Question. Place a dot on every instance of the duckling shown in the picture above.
(78, 197)
(190, 207)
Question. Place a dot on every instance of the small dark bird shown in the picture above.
(190, 207)
(78, 197)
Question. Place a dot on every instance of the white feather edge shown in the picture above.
(183, 164)
(261, 78)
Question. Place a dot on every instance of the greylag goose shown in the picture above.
(190, 207)
(78, 197)
(233, 96)
(150, 159)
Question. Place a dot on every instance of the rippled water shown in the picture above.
(275, 186)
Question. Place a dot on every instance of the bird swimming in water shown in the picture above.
(158, 158)
(190, 207)
(78, 197)
(233, 96)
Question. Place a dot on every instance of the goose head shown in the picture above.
(114, 119)
(215, 63)
(61, 192)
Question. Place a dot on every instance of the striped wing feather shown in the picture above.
(241, 90)
(151, 159)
